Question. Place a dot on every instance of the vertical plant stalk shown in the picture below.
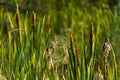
(106, 49)
(10, 40)
(96, 66)
(115, 64)
(118, 68)
(71, 45)
(98, 71)
(33, 27)
(77, 55)
(73, 63)
(91, 40)
(17, 23)
(105, 68)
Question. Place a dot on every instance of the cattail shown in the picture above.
(73, 56)
(17, 22)
(71, 45)
(17, 19)
(106, 47)
(33, 27)
(91, 39)
(33, 19)
(72, 50)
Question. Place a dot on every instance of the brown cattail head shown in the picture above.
(33, 27)
(91, 39)
(106, 47)
(17, 19)
(91, 35)
(71, 46)
(33, 19)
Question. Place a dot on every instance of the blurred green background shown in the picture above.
(69, 16)
(55, 18)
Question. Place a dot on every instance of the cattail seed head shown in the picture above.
(17, 20)
(106, 47)
(33, 27)
(91, 38)
(33, 18)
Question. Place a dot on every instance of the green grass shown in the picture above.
(74, 46)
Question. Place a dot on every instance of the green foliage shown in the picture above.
(56, 45)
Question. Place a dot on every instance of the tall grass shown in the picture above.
(61, 45)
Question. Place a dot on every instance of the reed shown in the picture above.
(106, 50)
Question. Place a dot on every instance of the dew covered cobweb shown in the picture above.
(57, 50)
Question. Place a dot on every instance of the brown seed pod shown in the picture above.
(106, 47)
